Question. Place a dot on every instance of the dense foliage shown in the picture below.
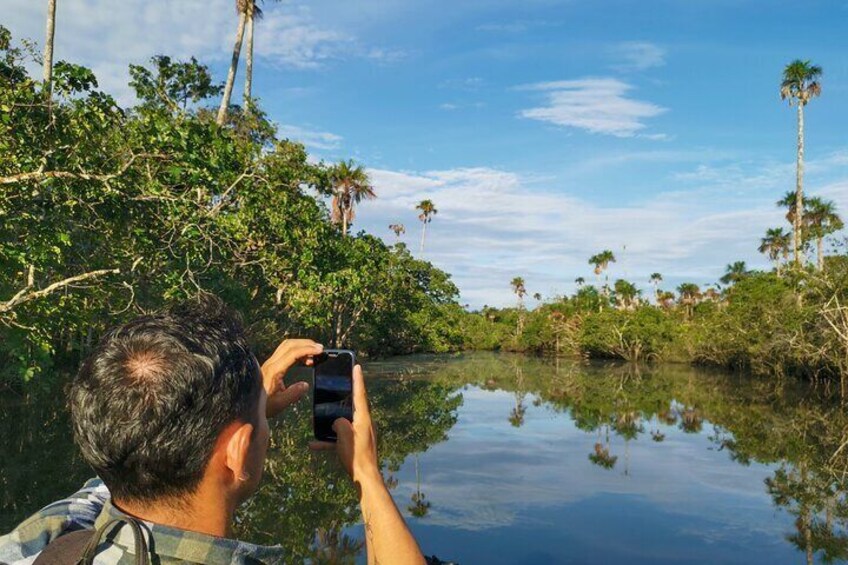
(107, 212)
(795, 323)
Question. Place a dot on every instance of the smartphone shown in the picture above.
(333, 391)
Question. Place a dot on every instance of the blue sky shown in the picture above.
(544, 130)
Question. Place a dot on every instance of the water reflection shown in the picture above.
(504, 459)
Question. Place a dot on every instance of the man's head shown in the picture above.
(172, 400)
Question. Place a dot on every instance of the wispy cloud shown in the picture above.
(638, 56)
(597, 105)
(108, 36)
(312, 139)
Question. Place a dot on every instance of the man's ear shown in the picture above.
(237, 451)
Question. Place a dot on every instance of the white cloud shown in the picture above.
(108, 35)
(597, 105)
(311, 138)
(493, 224)
(638, 55)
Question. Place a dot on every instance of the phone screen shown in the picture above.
(333, 397)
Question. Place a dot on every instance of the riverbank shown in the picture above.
(789, 325)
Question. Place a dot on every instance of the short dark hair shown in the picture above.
(150, 402)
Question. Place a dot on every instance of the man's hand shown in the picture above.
(274, 369)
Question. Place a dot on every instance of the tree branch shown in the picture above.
(25, 296)
(43, 175)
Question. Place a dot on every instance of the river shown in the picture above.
(498, 458)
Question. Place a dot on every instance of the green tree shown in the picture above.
(734, 273)
(800, 84)
(520, 291)
(601, 262)
(776, 244)
(350, 186)
(626, 294)
(821, 220)
(428, 210)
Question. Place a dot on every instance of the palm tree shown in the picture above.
(689, 295)
(520, 291)
(428, 210)
(399, 230)
(656, 279)
(242, 8)
(601, 261)
(734, 273)
(48, 46)
(821, 220)
(776, 245)
(625, 293)
(350, 186)
(800, 84)
(580, 281)
(537, 296)
(253, 13)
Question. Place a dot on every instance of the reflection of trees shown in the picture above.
(420, 506)
(787, 423)
(516, 415)
(334, 547)
(301, 494)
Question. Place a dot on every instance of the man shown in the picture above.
(171, 413)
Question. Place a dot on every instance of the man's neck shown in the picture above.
(197, 513)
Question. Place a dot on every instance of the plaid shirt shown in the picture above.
(91, 508)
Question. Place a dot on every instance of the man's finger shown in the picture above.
(290, 344)
(282, 400)
(344, 430)
(300, 351)
(360, 397)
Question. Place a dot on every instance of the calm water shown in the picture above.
(506, 459)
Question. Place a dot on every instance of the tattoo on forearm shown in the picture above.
(369, 536)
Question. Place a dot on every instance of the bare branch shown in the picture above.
(24, 296)
(43, 175)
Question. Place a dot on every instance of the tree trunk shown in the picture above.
(820, 253)
(48, 46)
(248, 69)
(423, 236)
(344, 221)
(799, 188)
(231, 76)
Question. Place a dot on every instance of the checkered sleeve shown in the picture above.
(77, 512)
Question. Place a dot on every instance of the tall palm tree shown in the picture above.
(242, 8)
(579, 281)
(656, 279)
(253, 13)
(821, 220)
(50, 36)
(776, 245)
(800, 84)
(734, 273)
(350, 186)
(520, 291)
(428, 210)
(399, 230)
(601, 261)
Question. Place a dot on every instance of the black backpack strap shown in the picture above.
(80, 547)
(65, 550)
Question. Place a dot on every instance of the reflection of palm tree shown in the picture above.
(334, 547)
(420, 506)
(602, 456)
(691, 421)
(516, 416)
